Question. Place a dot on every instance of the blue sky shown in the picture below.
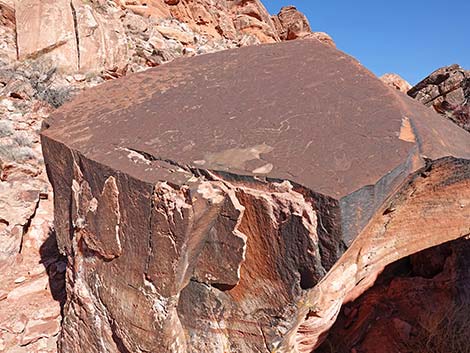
(411, 38)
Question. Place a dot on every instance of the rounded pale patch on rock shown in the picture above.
(395, 81)
(265, 169)
(20, 280)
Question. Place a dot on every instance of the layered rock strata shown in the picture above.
(447, 90)
(232, 202)
(418, 304)
(291, 23)
(97, 35)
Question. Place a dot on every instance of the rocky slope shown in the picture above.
(214, 222)
(447, 90)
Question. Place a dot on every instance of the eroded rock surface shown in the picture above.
(397, 82)
(94, 36)
(49, 51)
(447, 90)
(232, 202)
(291, 23)
(32, 287)
(399, 313)
(31, 269)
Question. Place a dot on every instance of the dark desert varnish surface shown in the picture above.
(298, 110)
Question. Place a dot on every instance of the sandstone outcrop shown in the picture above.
(31, 288)
(7, 32)
(291, 23)
(447, 90)
(218, 19)
(397, 82)
(234, 201)
(31, 270)
(323, 37)
(97, 35)
(47, 28)
(418, 304)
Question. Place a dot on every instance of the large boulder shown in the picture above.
(234, 201)
(291, 23)
(447, 90)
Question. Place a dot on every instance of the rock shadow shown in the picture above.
(55, 264)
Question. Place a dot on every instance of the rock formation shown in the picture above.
(31, 270)
(397, 82)
(50, 51)
(447, 90)
(234, 201)
(220, 19)
(32, 281)
(99, 35)
(7, 32)
(291, 23)
(400, 312)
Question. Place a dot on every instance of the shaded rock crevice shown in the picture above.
(420, 204)
(75, 29)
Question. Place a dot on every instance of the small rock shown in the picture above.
(176, 34)
(20, 280)
(8, 104)
(404, 328)
(323, 37)
(79, 77)
(189, 51)
(395, 81)
(40, 269)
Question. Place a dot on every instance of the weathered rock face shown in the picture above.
(29, 313)
(31, 272)
(447, 90)
(197, 219)
(397, 82)
(228, 19)
(323, 37)
(7, 32)
(291, 23)
(399, 313)
(96, 35)
(47, 27)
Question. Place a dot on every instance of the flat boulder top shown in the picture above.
(300, 110)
